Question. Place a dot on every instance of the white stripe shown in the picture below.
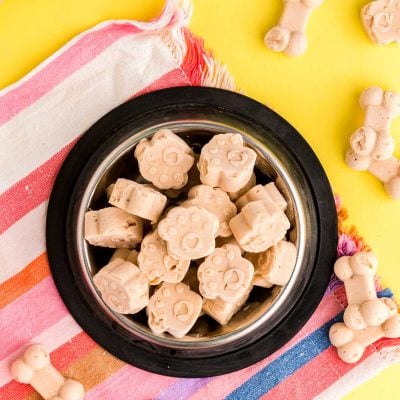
(358, 375)
(22, 242)
(42, 129)
(52, 338)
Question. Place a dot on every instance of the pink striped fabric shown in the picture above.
(39, 125)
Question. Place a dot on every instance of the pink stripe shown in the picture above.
(312, 379)
(130, 383)
(30, 314)
(30, 191)
(80, 53)
(221, 386)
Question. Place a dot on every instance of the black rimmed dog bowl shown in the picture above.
(271, 317)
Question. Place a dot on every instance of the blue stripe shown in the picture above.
(385, 293)
(285, 365)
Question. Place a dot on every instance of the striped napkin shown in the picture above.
(41, 117)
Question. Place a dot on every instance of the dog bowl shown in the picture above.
(271, 316)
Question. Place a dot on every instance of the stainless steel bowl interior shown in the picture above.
(263, 304)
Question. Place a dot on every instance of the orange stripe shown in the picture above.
(20, 283)
(90, 370)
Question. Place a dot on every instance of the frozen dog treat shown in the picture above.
(351, 344)
(189, 232)
(259, 226)
(215, 201)
(269, 193)
(226, 163)
(225, 275)
(173, 308)
(251, 183)
(223, 311)
(123, 287)
(370, 313)
(388, 172)
(381, 20)
(274, 266)
(137, 199)
(164, 160)
(373, 140)
(157, 264)
(35, 369)
(125, 254)
(113, 227)
(289, 35)
(357, 273)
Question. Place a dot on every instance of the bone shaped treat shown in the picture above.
(215, 201)
(357, 273)
(223, 311)
(138, 199)
(381, 20)
(173, 308)
(35, 369)
(351, 344)
(225, 275)
(157, 264)
(226, 163)
(165, 160)
(239, 193)
(259, 226)
(113, 227)
(269, 193)
(289, 35)
(275, 265)
(373, 140)
(123, 287)
(189, 232)
(125, 254)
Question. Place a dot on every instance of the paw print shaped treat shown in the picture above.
(225, 275)
(157, 264)
(165, 160)
(35, 369)
(274, 266)
(269, 193)
(259, 226)
(222, 311)
(217, 202)
(189, 232)
(173, 308)
(138, 199)
(123, 287)
(381, 20)
(289, 35)
(351, 344)
(357, 273)
(226, 163)
(373, 140)
(113, 227)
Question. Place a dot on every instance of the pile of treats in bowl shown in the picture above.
(212, 234)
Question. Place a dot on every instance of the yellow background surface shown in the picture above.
(318, 92)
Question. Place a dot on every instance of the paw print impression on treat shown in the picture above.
(217, 202)
(226, 163)
(165, 160)
(157, 264)
(189, 232)
(225, 274)
(173, 308)
(123, 287)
